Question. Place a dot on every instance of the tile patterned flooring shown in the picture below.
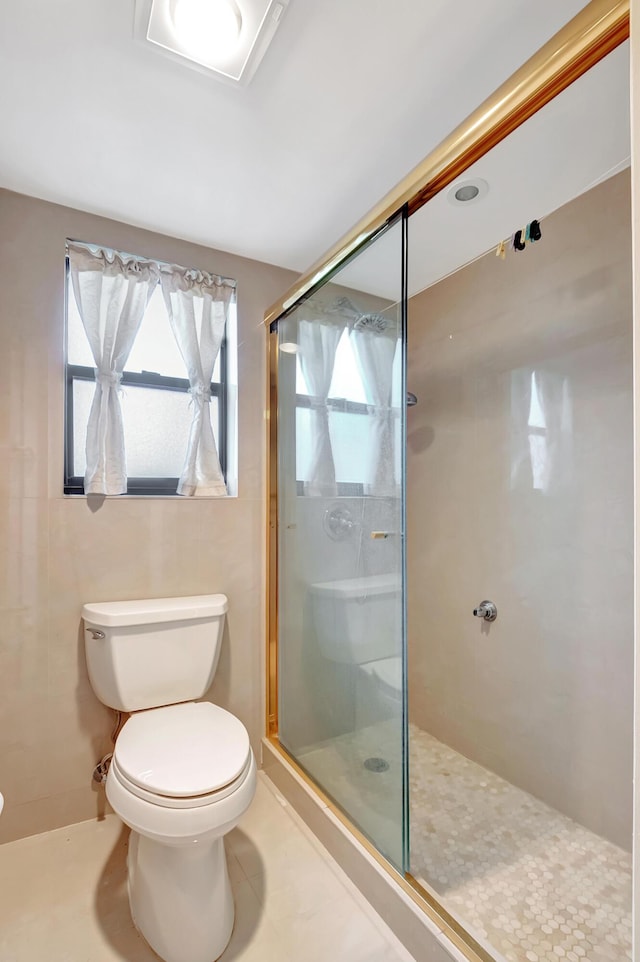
(63, 896)
(530, 883)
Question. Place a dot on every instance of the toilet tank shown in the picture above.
(357, 620)
(153, 652)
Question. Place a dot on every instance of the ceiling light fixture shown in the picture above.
(468, 192)
(226, 38)
(207, 28)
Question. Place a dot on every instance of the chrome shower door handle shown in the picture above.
(486, 610)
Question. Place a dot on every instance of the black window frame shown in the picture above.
(141, 486)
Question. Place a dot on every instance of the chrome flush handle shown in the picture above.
(486, 610)
(96, 634)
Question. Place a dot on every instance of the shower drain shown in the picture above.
(376, 764)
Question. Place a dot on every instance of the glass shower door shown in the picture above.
(340, 506)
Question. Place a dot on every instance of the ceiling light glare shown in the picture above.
(468, 192)
(207, 29)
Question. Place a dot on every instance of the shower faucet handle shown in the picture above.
(486, 610)
(338, 523)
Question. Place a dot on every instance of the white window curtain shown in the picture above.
(374, 339)
(318, 341)
(197, 304)
(112, 293)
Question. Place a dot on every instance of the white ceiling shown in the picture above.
(350, 96)
(579, 139)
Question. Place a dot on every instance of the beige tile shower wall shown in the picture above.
(57, 553)
(544, 696)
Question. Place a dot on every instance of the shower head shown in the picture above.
(376, 323)
(412, 400)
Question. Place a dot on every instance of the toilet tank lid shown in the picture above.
(149, 611)
(357, 587)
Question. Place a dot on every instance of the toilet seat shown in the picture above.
(387, 675)
(181, 801)
(182, 756)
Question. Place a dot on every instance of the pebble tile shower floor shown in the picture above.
(533, 885)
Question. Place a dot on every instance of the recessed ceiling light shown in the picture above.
(223, 38)
(207, 28)
(468, 192)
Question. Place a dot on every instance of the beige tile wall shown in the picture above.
(543, 697)
(57, 553)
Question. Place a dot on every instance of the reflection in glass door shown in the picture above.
(340, 482)
(520, 492)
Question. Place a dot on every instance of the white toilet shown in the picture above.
(357, 622)
(182, 773)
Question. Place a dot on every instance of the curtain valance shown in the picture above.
(197, 283)
(111, 263)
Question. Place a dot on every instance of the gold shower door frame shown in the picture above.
(597, 30)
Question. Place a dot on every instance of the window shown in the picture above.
(155, 395)
(351, 426)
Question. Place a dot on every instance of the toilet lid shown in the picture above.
(194, 748)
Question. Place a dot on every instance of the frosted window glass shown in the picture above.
(346, 381)
(155, 348)
(351, 442)
(83, 392)
(150, 453)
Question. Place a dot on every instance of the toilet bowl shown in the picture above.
(378, 691)
(182, 772)
(180, 801)
(384, 677)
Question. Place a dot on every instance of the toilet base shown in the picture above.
(180, 897)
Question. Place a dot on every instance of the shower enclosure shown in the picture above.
(451, 518)
(341, 517)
